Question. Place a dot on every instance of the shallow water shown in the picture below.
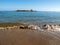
(41, 17)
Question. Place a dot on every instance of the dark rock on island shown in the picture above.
(25, 10)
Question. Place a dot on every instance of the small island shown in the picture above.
(25, 10)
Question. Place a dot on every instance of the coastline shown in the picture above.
(18, 26)
(28, 34)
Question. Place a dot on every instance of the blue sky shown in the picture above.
(42, 5)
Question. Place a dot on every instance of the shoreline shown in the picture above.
(28, 34)
(44, 27)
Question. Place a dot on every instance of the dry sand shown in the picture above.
(29, 37)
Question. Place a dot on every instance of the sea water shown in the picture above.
(39, 17)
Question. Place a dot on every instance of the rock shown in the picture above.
(46, 27)
(9, 27)
(59, 24)
(34, 27)
(2, 28)
(56, 28)
(30, 26)
(23, 27)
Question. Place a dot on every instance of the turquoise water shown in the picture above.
(42, 17)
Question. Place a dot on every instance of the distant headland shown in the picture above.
(25, 10)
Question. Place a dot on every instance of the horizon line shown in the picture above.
(33, 9)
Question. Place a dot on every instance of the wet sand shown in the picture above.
(29, 37)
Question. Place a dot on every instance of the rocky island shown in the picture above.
(25, 10)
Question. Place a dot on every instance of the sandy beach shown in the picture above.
(19, 34)
(29, 37)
